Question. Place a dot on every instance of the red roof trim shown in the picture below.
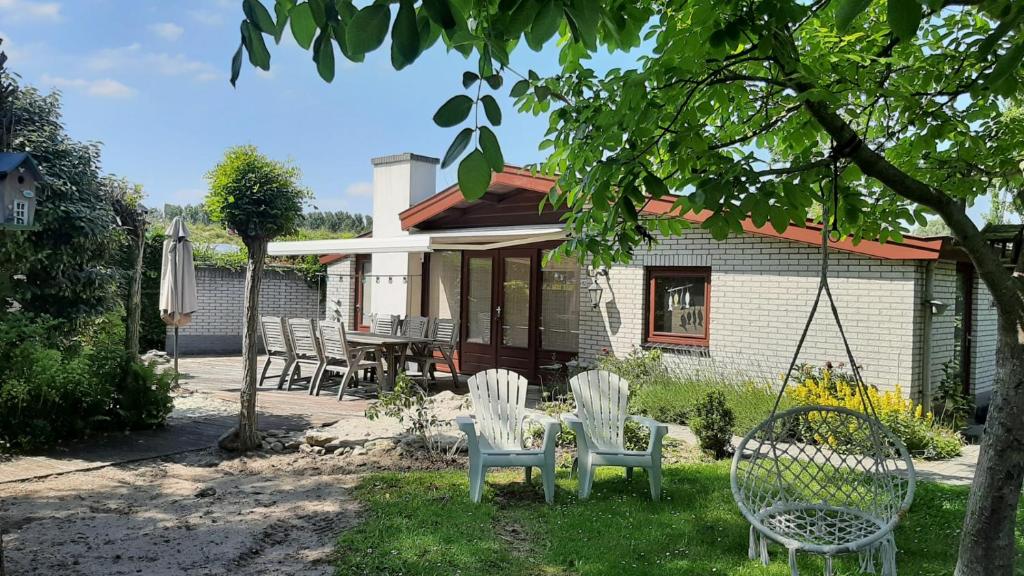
(911, 248)
(450, 197)
(332, 258)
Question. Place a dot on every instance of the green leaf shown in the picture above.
(342, 39)
(519, 88)
(469, 78)
(584, 17)
(655, 186)
(405, 33)
(440, 12)
(258, 13)
(847, 11)
(457, 147)
(494, 81)
(368, 28)
(491, 109)
(302, 25)
(454, 111)
(491, 149)
(236, 64)
(779, 217)
(544, 25)
(323, 54)
(1006, 65)
(319, 11)
(904, 17)
(474, 175)
(259, 56)
(282, 8)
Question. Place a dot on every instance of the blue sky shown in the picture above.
(149, 79)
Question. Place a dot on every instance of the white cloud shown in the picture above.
(101, 88)
(328, 204)
(134, 58)
(15, 10)
(207, 17)
(359, 189)
(167, 30)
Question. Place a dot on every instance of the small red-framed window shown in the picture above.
(679, 306)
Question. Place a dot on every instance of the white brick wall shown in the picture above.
(984, 341)
(761, 292)
(943, 325)
(217, 326)
(341, 291)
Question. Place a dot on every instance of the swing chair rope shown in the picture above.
(829, 220)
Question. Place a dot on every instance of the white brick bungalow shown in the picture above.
(906, 305)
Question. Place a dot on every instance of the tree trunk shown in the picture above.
(134, 306)
(247, 435)
(988, 543)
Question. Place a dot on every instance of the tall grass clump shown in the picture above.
(668, 388)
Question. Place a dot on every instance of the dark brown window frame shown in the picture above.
(654, 272)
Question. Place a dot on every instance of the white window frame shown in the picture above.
(20, 212)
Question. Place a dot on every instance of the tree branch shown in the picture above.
(791, 169)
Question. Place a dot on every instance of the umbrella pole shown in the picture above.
(175, 356)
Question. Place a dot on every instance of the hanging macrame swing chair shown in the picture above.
(824, 480)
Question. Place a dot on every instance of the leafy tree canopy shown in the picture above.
(258, 198)
(735, 105)
(66, 261)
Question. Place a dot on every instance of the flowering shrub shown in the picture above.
(916, 428)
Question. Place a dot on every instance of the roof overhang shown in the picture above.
(470, 239)
(910, 248)
(511, 178)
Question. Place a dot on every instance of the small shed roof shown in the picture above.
(11, 161)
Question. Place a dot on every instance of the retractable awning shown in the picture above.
(427, 241)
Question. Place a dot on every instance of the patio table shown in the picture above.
(391, 348)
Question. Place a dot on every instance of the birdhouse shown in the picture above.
(19, 183)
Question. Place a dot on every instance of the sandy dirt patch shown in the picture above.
(193, 514)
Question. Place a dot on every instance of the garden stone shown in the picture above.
(380, 445)
(206, 492)
(277, 447)
(305, 448)
(319, 438)
(359, 451)
(342, 451)
(293, 444)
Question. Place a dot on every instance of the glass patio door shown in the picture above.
(479, 310)
(499, 327)
(516, 317)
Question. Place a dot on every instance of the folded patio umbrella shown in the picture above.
(178, 300)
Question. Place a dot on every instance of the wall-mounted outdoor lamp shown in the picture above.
(938, 307)
(595, 289)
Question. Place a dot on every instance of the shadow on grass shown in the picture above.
(424, 524)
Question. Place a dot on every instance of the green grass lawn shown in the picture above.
(420, 523)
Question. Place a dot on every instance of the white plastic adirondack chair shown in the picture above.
(495, 436)
(599, 423)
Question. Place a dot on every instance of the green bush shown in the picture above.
(712, 422)
(918, 429)
(640, 367)
(54, 388)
